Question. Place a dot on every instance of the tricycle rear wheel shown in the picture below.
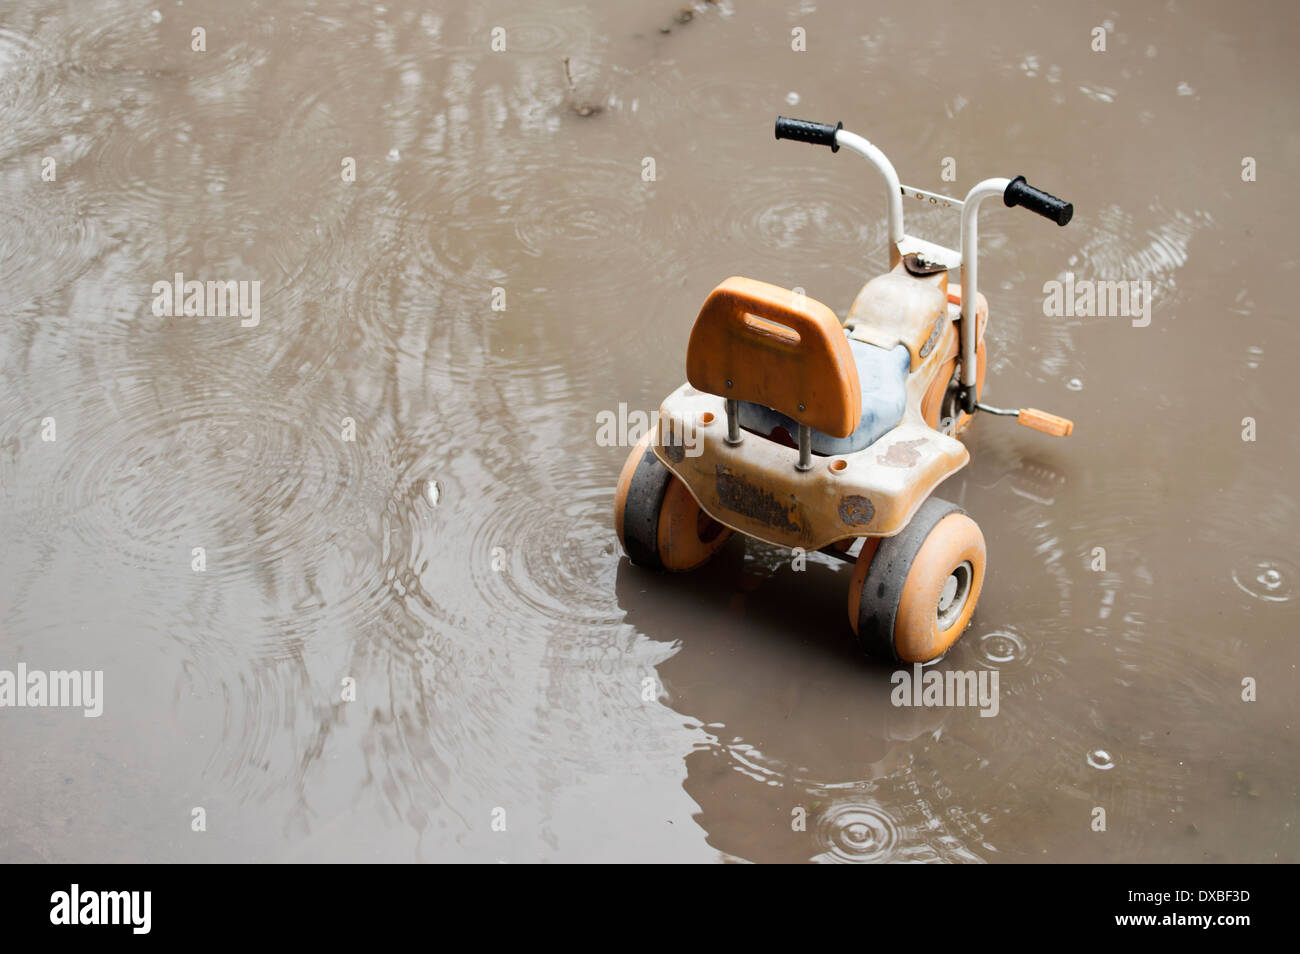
(658, 521)
(918, 591)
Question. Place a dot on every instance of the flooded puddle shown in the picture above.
(348, 570)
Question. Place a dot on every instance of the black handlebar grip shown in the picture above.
(819, 134)
(1020, 192)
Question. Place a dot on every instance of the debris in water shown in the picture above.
(684, 15)
(580, 106)
(432, 491)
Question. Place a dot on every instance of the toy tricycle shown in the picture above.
(809, 433)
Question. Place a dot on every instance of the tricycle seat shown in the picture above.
(882, 374)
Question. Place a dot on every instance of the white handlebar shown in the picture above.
(970, 271)
(969, 238)
(856, 143)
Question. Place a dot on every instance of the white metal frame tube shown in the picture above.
(855, 143)
(970, 272)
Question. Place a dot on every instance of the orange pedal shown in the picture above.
(1047, 423)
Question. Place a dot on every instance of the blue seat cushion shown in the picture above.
(883, 378)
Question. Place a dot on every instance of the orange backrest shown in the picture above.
(757, 342)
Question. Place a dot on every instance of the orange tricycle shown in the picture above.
(811, 433)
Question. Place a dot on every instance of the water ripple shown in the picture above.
(851, 832)
(1272, 580)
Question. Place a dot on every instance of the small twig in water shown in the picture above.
(581, 107)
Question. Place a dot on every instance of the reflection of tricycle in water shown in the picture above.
(811, 433)
(770, 683)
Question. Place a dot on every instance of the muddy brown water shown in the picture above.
(456, 558)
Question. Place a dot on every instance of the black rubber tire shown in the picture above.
(882, 590)
(645, 500)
